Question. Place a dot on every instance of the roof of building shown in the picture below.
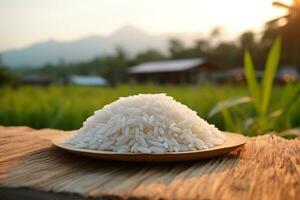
(166, 66)
(35, 78)
(87, 80)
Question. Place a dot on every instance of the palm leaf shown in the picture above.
(277, 19)
(281, 5)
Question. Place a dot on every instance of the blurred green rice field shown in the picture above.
(66, 107)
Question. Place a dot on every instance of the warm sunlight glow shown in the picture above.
(288, 2)
(25, 22)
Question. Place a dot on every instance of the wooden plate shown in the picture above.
(233, 141)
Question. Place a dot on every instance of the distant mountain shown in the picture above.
(131, 39)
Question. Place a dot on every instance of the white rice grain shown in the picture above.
(146, 123)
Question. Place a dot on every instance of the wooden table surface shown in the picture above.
(267, 167)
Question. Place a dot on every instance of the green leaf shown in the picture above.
(248, 123)
(270, 70)
(227, 104)
(290, 132)
(292, 100)
(229, 124)
(275, 114)
(251, 80)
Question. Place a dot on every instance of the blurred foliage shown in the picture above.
(148, 55)
(114, 67)
(227, 54)
(262, 120)
(66, 107)
(268, 108)
(288, 26)
(6, 76)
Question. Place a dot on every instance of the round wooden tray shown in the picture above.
(233, 141)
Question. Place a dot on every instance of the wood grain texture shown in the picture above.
(268, 167)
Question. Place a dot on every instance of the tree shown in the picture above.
(203, 46)
(179, 51)
(149, 55)
(216, 32)
(247, 40)
(176, 48)
(225, 54)
(214, 36)
(114, 67)
(6, 77)
(288, 26)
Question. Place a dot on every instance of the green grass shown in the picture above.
(67, 107)
(265, 118)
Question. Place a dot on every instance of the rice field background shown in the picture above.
(66, 107)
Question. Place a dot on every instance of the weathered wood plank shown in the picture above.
(268, 167)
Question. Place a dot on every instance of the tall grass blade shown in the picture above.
(290, 132)
(251, 80)
(227, 104)
(270, 70)
(292, 100)
(229, 124)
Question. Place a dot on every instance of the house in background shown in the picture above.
(283, 75)
(234, 76)
(35, 79)
(87, 80)
(174, 71)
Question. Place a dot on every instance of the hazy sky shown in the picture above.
(23, 22)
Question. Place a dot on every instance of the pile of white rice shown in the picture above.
(146, 123)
